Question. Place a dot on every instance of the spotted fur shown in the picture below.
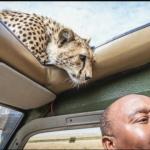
(52, 43)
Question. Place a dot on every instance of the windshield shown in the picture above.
(9, 120)
(99, 20)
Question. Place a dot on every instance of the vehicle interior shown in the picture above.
(46, 102)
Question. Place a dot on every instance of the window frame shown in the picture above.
(18, 123)
(55, 123)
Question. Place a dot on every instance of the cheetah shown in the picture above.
(52, 43)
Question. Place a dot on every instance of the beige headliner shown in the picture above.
(124, 53)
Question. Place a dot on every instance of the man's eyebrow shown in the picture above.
(139, 110)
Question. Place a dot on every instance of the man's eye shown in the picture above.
(143, 120)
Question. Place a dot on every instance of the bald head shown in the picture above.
(126, 105)
(125, 101)
(125, 113)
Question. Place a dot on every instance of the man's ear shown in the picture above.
(108, 142)
(64, 36)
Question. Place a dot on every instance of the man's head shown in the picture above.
(126, 123)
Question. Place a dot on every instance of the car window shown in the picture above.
(99, 20)
(88, 138)
(9, 120)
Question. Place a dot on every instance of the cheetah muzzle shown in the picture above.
(52, 43)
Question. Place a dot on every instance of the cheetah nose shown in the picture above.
(87, 77)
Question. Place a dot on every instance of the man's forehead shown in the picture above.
(130, 104)
(138, 106)
(142, 109)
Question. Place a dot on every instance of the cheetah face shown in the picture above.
(74, 55)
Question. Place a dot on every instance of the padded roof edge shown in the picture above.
(127, 52)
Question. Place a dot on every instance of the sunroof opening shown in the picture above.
(99, 20)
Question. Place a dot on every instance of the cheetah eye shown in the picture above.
(82, 57)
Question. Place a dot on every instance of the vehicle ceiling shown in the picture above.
(124, 53)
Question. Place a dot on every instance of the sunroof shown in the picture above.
(99, 20)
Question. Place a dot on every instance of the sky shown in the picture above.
(99, 21)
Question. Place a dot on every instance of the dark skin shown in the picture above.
(130, 116)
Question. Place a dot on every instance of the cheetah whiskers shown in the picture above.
(70, 81)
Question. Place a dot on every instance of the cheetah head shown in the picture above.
(72, 54)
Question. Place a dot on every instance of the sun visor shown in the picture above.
(20, 91)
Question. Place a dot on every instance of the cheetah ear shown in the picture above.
(65, 36)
